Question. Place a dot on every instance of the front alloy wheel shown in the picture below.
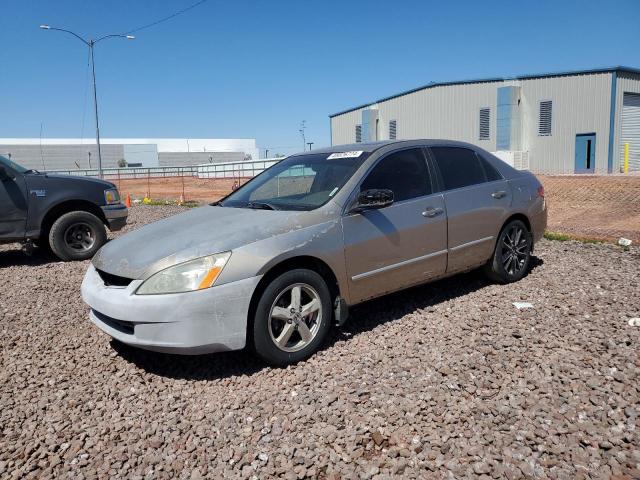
(292, 317)
(295, 317)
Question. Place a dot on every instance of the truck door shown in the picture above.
(13, 204)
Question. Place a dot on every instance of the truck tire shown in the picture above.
(77, 236)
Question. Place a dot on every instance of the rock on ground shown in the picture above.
(445, 380)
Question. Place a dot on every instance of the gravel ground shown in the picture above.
(446, 380)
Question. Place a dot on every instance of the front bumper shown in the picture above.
(204, 321)
(116, 216)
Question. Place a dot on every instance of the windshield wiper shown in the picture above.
(261, 206)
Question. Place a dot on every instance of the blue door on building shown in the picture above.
(585, 152)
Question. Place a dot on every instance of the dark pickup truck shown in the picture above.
(65, 213)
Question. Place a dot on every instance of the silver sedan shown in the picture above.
(276, 263)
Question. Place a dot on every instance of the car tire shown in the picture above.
(282, 333)
(77, 236)
(512, 254)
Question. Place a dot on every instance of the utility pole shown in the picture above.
(91, 44)
(89, 153)
(310, 144)
(303, 127)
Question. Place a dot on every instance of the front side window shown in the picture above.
(404, 172)
(301, 182)
(459, 167)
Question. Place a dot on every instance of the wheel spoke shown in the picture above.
(296, 293)
(285, 335)
(281, 313)
(516, 239)
(304, 331)
(309, 308)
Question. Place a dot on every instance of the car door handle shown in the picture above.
(499, 194)
(432, 212)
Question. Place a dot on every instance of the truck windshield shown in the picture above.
(301, 182)
(12, 165)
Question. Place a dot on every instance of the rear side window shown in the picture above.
(460, 167)
(492, 173)
(405, 173)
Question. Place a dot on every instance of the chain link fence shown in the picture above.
(601, 207)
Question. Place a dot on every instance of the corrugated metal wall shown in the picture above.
(450, 112)
(168, 159)
(63, 157)
(581, 104)
(627, 83)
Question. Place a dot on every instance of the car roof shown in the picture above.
(371, 147)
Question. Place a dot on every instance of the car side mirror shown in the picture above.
(4, 176)
(373, 199)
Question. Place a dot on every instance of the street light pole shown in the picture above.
(95, 108)
(91, 43)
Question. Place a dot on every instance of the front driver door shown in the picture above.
(400, 245)
(13, 205)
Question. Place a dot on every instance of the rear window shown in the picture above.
(459, 167)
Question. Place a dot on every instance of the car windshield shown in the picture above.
(12, 165)
(301, 182)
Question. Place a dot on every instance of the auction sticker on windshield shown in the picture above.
(352, 154)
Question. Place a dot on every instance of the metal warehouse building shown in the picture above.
(568, 122)
(75, 153)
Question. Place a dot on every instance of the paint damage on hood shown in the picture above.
(195, 233)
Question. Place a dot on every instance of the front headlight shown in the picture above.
(186, 277)
(111, 196)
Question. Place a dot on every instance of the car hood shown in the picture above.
(79, 179)
(195, 233)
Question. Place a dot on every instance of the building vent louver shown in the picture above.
(358, 133)
(392, 129)
(544, 127)
(484, 123)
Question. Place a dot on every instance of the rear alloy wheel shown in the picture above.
(77, 236)
(292, 317)
(512, 254)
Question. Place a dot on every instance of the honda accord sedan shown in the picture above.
(280, 260)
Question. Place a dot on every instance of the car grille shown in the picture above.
(111, 280)
(119, 325)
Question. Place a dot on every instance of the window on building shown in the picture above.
(459, 167)
(544, 127)
(404, 172)
(484, 123)
(392, 129)
(358, 133)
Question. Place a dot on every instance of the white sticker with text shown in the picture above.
(352, 154)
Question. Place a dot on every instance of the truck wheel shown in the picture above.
(292, 317)
(77, 236)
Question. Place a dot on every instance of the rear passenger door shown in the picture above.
(477, 201)
(404, 243)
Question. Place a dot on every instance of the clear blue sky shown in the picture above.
(257, 68)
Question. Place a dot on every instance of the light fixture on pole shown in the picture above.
(91, 43)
